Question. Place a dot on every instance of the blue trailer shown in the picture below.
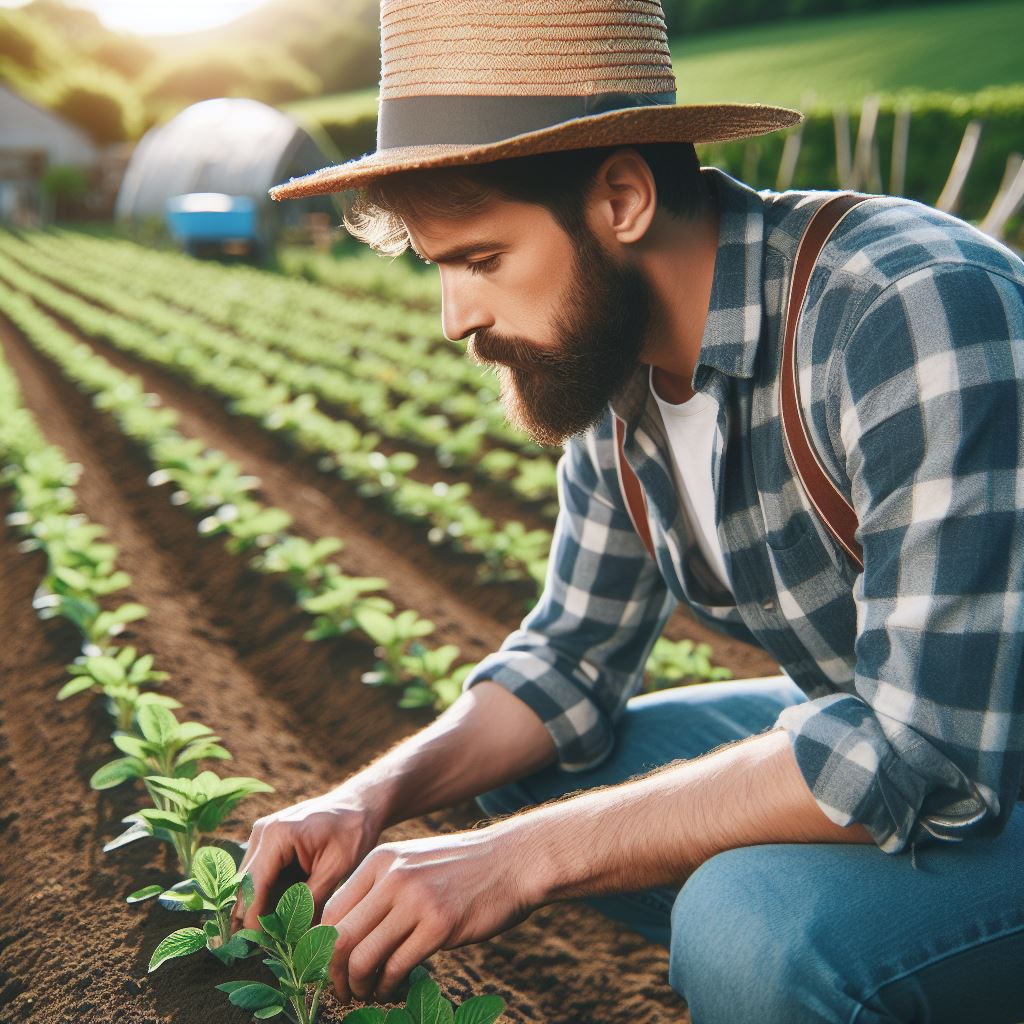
(214, 223)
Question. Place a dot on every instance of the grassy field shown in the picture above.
(951, 48)
(955, 48)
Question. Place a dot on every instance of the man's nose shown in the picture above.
(462, 313)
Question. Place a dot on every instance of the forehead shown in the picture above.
(499, 224)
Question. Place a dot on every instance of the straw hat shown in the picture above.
(471, 81)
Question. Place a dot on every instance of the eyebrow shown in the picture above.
(460, 252)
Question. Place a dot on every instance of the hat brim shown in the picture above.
(696, 123)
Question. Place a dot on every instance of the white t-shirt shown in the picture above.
(690, 427)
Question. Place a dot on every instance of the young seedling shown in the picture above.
(191, 807)
(303, 563)
(514, 553)
(426, 1005)
(215, 884)
(393, 636)
(430, 677)
(678, 664)
(120, 678)
(167, 747)
(298, 956)
(335, 606)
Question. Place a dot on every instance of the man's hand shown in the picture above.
(409, 899)
(328, 835)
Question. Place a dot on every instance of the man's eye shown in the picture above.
(482, 266)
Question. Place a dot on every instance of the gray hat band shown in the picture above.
(479, 120)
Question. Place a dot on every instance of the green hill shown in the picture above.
(953, 48)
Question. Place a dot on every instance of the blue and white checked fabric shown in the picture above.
(911, 361)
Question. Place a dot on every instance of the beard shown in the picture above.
(600, 329)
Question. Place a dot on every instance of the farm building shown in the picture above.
(227, 147)
(32, 140)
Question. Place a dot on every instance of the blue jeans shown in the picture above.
(811, 932)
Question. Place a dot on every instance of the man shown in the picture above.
(838, 843)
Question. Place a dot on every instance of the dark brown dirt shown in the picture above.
(292, 712)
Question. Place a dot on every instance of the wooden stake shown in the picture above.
(900, 145)
(1009, 198)
(949, 197)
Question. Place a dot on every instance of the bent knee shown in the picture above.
(745, 947)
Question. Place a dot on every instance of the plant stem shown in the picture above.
(316, 1003)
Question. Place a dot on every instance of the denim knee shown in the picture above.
(739, 956)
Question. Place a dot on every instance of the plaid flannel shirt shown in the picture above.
(911, 359)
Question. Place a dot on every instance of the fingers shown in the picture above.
(357, 977)
(366, 936)
(420, 944)
(269, 858)
(344, 901)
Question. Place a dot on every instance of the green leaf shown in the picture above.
(189, 900)
(480, 1010)
(397, 1015)
(113, 773)
(179, 943)
(295, 911)
(69, 689)
(231, 986)
(272, 926)
(157, 724)
(144, 894)
(255, 935)
(213, 870)
(130, 745)
(248, 890)
(418, 973)
(277, 969)
(255, 996)
(424, 1002)
(365, 1015)
(234, 948)
(313, 952)
(106, 671)
(268, 1011)
(163, 819)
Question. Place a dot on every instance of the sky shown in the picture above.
(155, 17)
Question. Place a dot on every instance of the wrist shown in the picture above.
(374, 799)
(526, 843)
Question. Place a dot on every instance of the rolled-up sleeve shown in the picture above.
(930, 416)
(579, 654)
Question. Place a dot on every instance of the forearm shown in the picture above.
(658, 829)
(487, 738)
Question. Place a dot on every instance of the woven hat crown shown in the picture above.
(471, 81)
(523, 48)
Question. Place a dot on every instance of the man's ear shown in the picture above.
(624, 197)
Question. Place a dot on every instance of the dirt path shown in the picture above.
(291, 712)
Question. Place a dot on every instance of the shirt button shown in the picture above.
(768, 604)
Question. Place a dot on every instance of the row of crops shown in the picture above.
(365, 388)
(157, 752)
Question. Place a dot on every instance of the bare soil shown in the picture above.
(292, 713)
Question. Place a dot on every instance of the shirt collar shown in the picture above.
(733, 325)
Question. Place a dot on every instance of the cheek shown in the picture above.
(534, 297)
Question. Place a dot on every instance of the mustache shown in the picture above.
(487, 347)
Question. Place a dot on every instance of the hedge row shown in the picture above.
(937, 123)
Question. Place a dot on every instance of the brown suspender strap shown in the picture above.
(829, 502)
